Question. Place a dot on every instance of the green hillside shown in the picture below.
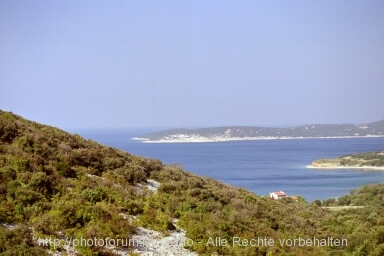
(56, 184)
(359, 160)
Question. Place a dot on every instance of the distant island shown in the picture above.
(231, 133)
(369, 160)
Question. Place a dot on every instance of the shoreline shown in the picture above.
(367, 167)
(182, 138)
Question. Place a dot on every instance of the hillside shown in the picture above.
(57, 185)
(253, 133)
(368, 160)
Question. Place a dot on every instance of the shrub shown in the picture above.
(65, 170)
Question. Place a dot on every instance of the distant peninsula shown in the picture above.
(368, 160)
(232, 133)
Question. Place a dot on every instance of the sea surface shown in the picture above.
(261, 166)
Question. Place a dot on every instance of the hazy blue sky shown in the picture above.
(79, 64)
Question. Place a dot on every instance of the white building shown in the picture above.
(278, 195)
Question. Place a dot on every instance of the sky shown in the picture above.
(121, 64)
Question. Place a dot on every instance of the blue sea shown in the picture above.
(261, 166)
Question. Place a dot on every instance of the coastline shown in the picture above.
(183, 138)
(364, 167)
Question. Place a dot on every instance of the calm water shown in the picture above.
(260, 166)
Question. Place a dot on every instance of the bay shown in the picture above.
(261, 166)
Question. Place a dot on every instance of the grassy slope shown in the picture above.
(45, 183)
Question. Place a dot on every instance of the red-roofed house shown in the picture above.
(278, 195)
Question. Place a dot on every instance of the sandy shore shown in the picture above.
(364, 167)
(184, 138)
(197, 139)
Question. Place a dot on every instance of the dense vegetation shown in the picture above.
(363, 159)
(365, 226)
(56, 184)
(367, 159)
